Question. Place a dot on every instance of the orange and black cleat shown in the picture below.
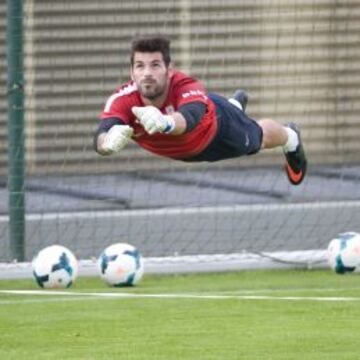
(296, 163)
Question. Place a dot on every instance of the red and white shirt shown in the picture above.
(182, 90)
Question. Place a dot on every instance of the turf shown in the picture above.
(289, 321)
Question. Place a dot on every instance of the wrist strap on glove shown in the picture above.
(170, 124)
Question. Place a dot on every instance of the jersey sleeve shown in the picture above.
(119, 104)
(190, 90)
(117, 107)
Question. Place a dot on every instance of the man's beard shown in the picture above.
(152, 93)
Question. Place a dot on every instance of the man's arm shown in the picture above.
(184, 120)
(111, 136)
(192, 113)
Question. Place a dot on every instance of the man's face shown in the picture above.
(150, 74)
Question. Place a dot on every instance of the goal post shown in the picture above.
(16, 163)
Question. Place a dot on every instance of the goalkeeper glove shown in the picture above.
(153, 120)
(117, 138)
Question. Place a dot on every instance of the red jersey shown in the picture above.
(182, 90)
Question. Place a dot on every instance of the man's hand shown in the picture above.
(153, 121)
(116, 139)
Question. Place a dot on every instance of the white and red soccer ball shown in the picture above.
(120, 265)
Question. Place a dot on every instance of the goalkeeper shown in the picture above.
(171, 114)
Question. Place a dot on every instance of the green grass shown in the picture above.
(233, 327)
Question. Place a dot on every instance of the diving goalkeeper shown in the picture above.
(171, 114)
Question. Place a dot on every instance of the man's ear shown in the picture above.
(131, 73)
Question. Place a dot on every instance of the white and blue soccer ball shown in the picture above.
(344, 253)
(55, 267)
(120, 265)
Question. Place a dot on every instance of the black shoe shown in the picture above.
(296, 163)
(242, 97)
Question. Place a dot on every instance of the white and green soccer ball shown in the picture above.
(344, 253)
(55, 267)
(120, 265)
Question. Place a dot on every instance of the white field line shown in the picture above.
(189, 210)
(59, 295)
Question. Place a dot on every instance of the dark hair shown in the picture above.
(149, 44)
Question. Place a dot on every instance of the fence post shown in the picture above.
(15, 88)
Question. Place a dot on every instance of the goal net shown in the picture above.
(298, 62)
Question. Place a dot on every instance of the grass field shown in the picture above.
(246, 315)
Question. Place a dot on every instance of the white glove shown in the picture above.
(117, 138)
(153, 120)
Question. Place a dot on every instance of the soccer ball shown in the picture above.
(55, 267)
(344, 253)
(121, 264)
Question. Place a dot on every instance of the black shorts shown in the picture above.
(237, 134)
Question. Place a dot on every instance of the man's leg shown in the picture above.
(274, 134)
(239, 99)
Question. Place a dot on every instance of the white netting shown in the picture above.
(298, 61)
